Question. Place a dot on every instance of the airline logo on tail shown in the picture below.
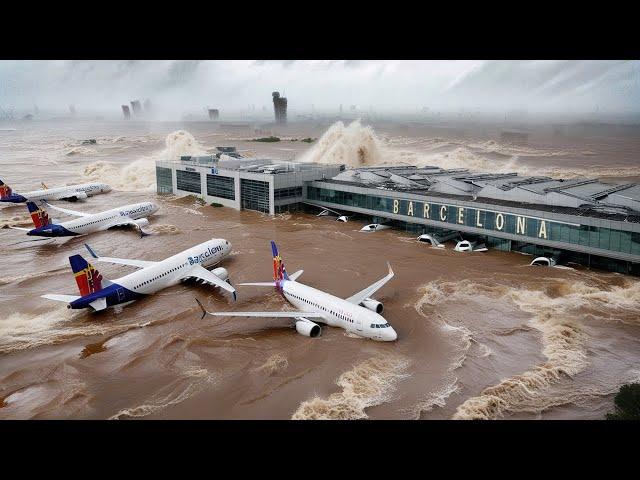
(89, 279)
(38, 215)
(279, 272)
(5, 190)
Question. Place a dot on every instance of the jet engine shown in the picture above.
(373, 305)
(307, 328)
(76, 196)
(221, 273)
(142, 222)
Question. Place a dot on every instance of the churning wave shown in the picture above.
(140, 175)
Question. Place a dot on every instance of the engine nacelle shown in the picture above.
(308, 328)
(221, 273)
(75, 197)
(142, 222)
(342, 218)
(373, 305)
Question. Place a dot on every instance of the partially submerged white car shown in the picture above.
(544, 261)
(467, 246)
(374, 227)
(431, 240)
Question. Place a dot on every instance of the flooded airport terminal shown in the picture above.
(242, 254)
(579, 220)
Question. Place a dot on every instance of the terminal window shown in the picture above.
(287, 192)
(164, 180)
(188, 181)
(254, 195)
(221, 187)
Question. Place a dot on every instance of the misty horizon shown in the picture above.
(533, 89)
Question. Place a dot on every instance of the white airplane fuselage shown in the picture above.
(338, 312)
(70, 192)
(151, 278)
(171, 271)
(98, 221)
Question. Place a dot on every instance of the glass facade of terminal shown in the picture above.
(188, 181)
(222, 187)
(254, 195)
(496, 221)
(287, 192)
(163, 180)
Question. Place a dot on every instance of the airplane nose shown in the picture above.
(390, 335)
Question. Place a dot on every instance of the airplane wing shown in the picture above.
(60, 298)
(67, 211)
(120, 261)
(294, 314)
(198, 271)
(128, 221)
(371, 289)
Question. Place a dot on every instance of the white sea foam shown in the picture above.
(140, 174)
(357, 145)
(369, 383)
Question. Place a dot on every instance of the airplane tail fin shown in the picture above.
(5, 190)
(89, 279)
(279, 272)
(39, 215)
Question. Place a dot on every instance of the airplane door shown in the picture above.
(120, 292)
(359, 324)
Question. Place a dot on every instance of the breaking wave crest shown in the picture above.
(273, 364)
(353, 145)
(557, 307)
(356, 145)
(140, 175)
(191, 381)
(369, 383)
(164, 229)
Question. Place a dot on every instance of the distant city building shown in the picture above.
(126, 112)
(72, 110)
(136, 108)
(214, 114)
(147, 105)
(280, 107)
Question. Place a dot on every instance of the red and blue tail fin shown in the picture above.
(5, 190)
(279, 272)
(89, 279)
(39, 215)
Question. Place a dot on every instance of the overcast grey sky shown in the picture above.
(177, 87)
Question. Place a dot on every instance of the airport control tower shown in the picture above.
(280, 107)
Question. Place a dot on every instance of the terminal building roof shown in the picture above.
(588, 195)
(246, 164)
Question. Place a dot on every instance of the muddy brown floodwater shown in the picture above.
(479, 335)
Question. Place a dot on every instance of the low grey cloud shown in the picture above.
(178, 87)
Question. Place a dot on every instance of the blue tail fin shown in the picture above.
(89, 279)
(38, 215)
(279, 272)
(5, 190)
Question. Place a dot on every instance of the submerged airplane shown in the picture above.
(358, 314)
(134, 214)
(70, 193)
(99, 293)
